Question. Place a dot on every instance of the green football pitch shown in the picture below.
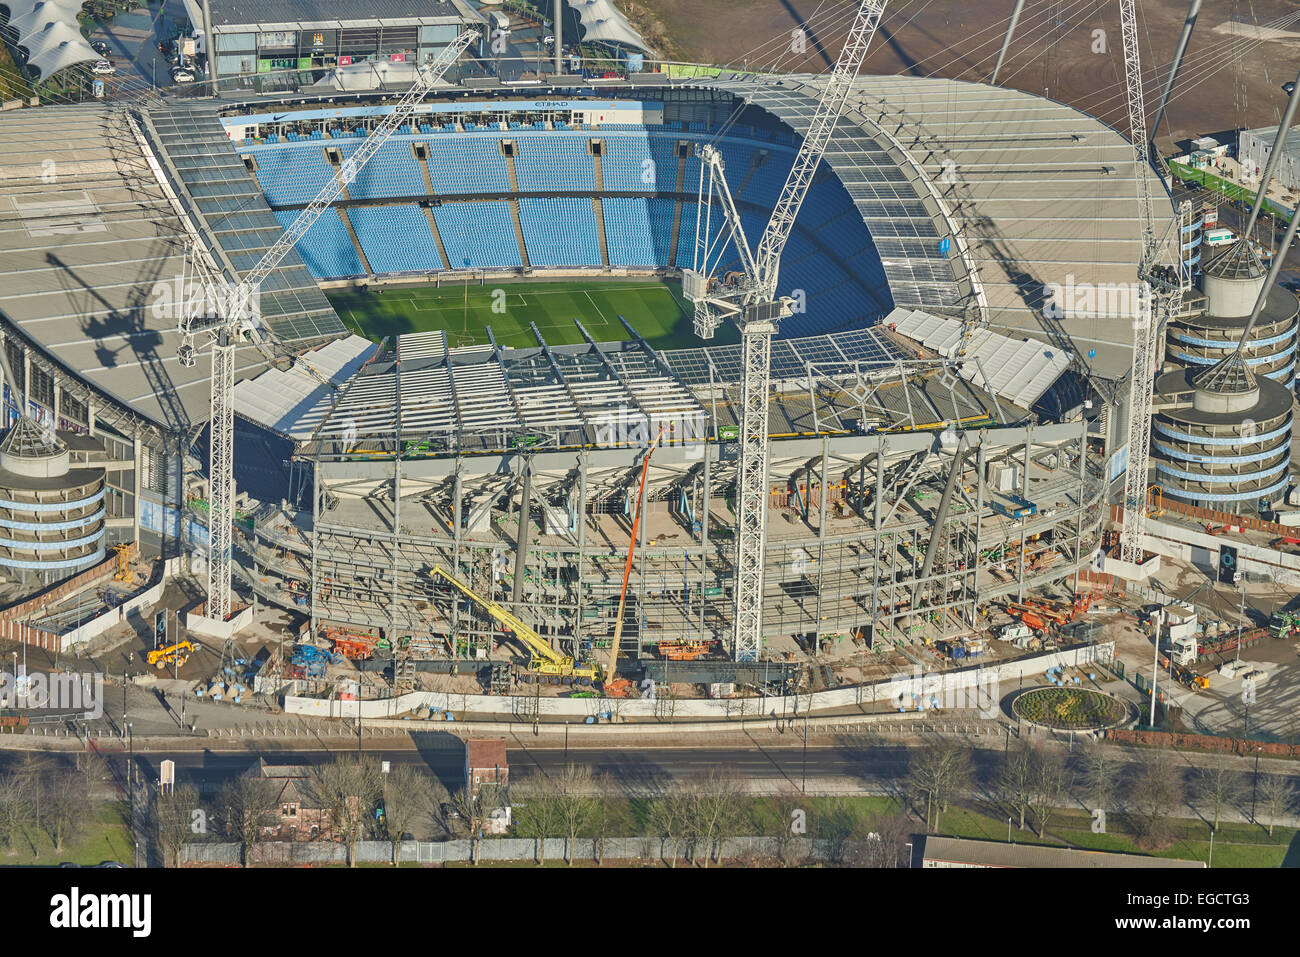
(654, 309)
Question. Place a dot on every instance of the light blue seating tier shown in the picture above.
(545, 161)
(481, 233)
(627, 164)
(395, 238)
(661, 228)
(392, 171)
(291, 174)
(326, 248)
(466, 164)
(560, 232)
(628, 233)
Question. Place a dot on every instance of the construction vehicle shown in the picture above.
(179, 653)
(1188, 650)
(125, 558)
(544, 659)
(1284, 624)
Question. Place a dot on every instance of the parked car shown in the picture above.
(103, 68)
(102, 48)
(182, 75)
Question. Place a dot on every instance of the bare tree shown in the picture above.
(67, 806)
(15, 809)
(789, 832)
(1051, 781)
(475, 810)
(665, 706)
(601, 816)
(880, 841)
(32, 775)
(1216, 788)
(537, 813)
(1276, 795)
(346, 789)
(939, 773)
(666, 819)
(1015, 781)
(1152, 795)
(574, 803)
(173, 818)
(1100, 774)
(245, 807)
(713, 804)
(405, 793)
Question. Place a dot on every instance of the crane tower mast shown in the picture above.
(753, 305)
(231, 319)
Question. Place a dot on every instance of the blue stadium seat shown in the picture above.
(560, 232)
(395, 238)
(553, 162)
(326, 248)
(628, 235)
(481, 233)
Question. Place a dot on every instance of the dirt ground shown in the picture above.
(1228, 80)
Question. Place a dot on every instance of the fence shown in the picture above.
(728, 709)
(285, 853)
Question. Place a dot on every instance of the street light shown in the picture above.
(1254, 784)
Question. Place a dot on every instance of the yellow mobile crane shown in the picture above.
(545, 659)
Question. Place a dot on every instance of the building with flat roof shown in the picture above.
(253, 38)
(1255, 146)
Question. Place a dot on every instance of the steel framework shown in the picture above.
(753, 304)
(225, 314)
(1157, 298)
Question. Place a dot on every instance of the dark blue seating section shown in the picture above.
(830, 263)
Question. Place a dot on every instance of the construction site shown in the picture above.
(951, 434)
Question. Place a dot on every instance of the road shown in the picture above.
(1235, 219)
(870, 767)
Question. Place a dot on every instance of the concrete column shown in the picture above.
(137, 450)
(210, 44)
(559, 37)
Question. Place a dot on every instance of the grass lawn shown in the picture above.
(654, 309)
(1228, 188)
(104, 838)
(1235, 845)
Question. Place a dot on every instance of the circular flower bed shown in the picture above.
(1070, 709)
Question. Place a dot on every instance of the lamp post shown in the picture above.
(1008, 829)
(1254, 784)
(1155, 663)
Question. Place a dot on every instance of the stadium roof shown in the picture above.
(601, 20)
(48, 30)
(1030, 192)
(91, 250)
(232, 16)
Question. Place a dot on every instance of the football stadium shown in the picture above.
(491, 405)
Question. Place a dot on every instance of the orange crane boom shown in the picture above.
(610, 672)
